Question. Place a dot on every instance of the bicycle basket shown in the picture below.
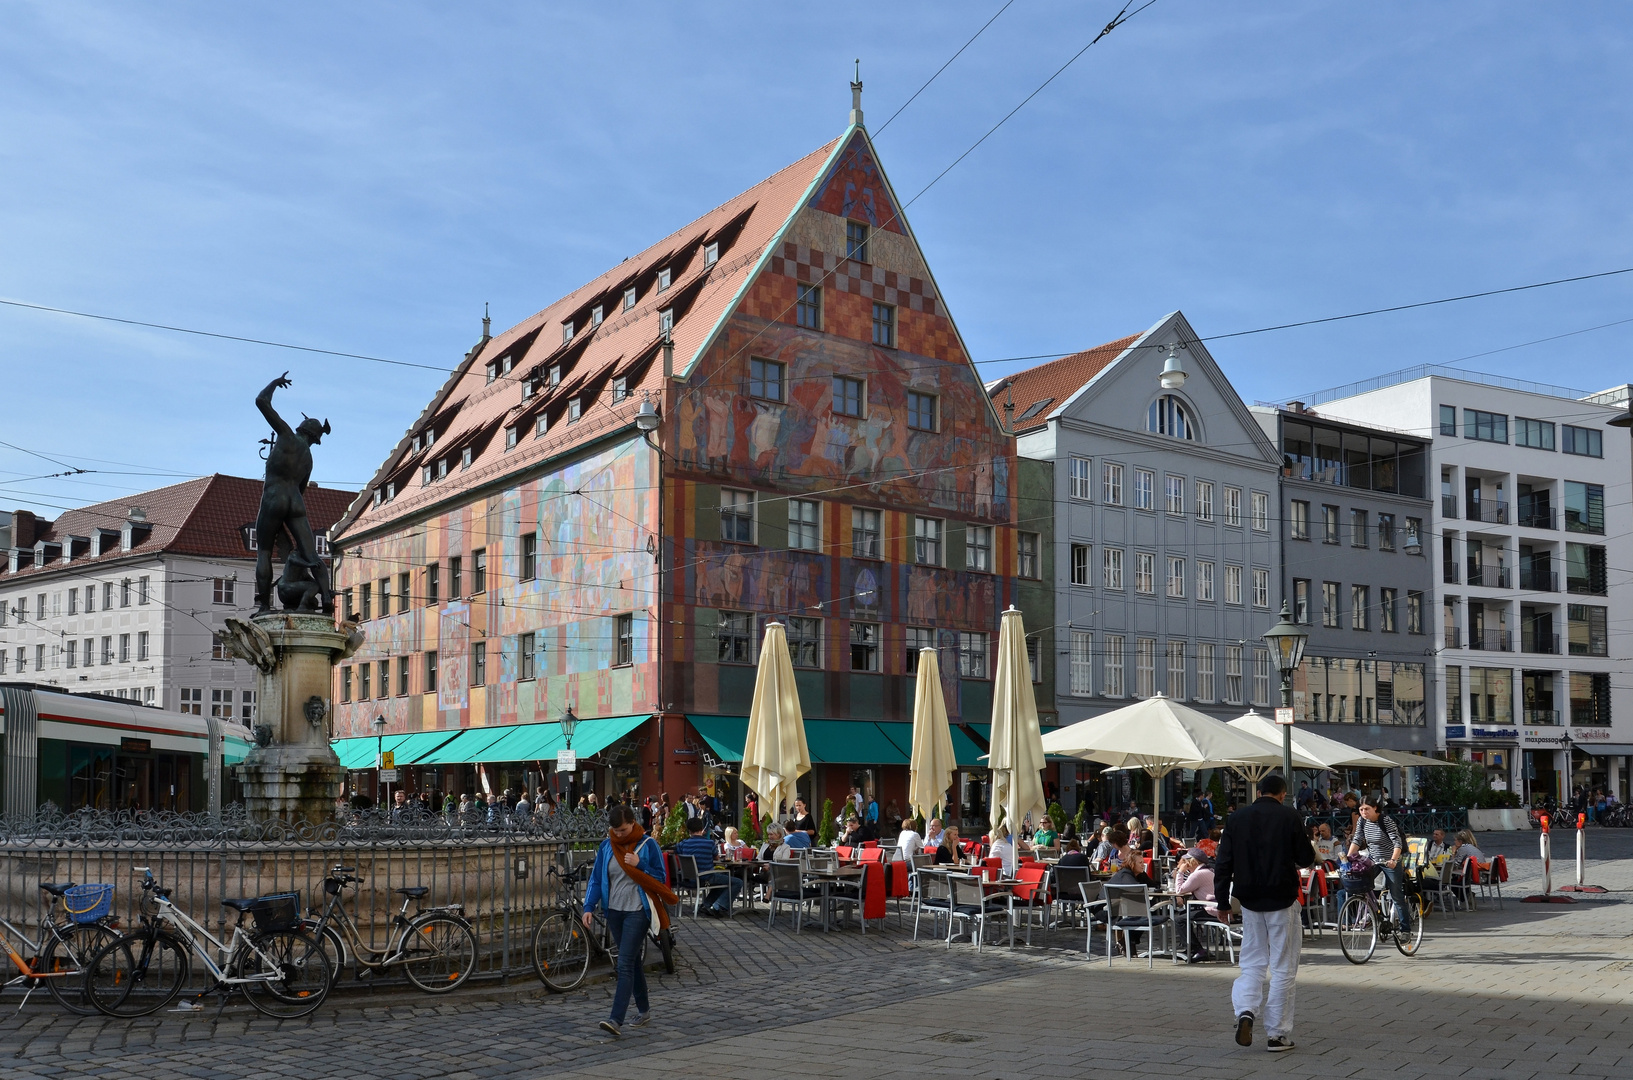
(88, 903)
(280, 911)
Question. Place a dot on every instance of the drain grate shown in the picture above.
(956, 1037)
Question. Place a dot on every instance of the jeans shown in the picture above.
(629, 931)
(1270, 944)
(721, 893)
(1397, 889)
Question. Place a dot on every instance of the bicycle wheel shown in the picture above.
(666, 945)
(441, 952)
(1406, 941)
(561, 951)
(334, 947)
(136, 974)
(1357, 930)
(63, 961)
(290, 972)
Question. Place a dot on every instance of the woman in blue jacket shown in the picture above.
(629, 884)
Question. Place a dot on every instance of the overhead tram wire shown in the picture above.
(942, 68)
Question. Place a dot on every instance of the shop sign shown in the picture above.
(1496, 733)
(1601, 734)
(566, 761)
(1457, 731)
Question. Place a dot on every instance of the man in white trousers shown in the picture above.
(1260, 853)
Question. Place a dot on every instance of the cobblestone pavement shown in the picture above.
(1527, 991)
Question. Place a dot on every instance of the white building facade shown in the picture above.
(1531, 534)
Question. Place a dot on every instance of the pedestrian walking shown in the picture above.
(1260, 853)
(628, 884)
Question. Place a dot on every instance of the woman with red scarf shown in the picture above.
(628, 883)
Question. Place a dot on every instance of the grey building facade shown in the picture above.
(1357, 570)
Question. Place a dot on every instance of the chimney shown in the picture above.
(1295, 406)
(25, 527)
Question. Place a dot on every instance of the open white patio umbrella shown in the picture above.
(775, 755)
(931, 770)
(1158, 735)
(1267, 732)
(1310, 751)
(1016, 752)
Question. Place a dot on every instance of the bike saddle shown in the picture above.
(414, 893)
(56, 888)
(241, 904)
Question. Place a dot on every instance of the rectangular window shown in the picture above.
(849, 394)
(624, 639)
(1176, 670)
(247, 705)
(365, 594)
(73, 603)
(735, 632)
(385, 677)
(1298, 519)
(927, 541)
(454, 582)
(479, 664)
(1080, 564)
(124, 648)
(575, 409)
(808, 306)
(1537, 434)
(972, 656)
(433, 584)
(345, 684)
(222, 591)
(1357, 528)
(1176, 494)
(430, 673)
(526, 652)
(1586, 570)
(1204, 580)
(1113, 682)
(1145, 482)
(1588, 630)
(124, 595)
(1111, 484)
(1590, 699)
(1261, 588)
(884, 325)
(405, 591)
(1233, 506)
(1233, 674)
(1448, 420)
(1082, 671)
(402, 676)
(1359, 605)
(513, 435)
(1329, 604)
(620, 388)
(598, 313)
(1233, 584)
(1584, 507)
(804, 525)
(1386, 610)
(665, 277)
(1145, 572)
(1386, 532)
(765, 379)
(1026, 555)
(192, 698)
(1145, 667)
(385, 597)
(864, 533)
(1259, 503)
(1082, 486)
(1204, 500)
(1587, 442)
(72, 659)
(865, 646)
(921, 411)
(220, 703)
(736, 516)
(1329, 524)
(1301, 601)
(978, 548)
(804, 641)
(1454, 695)
(1112, 568)
(711, 255)
(142, 592)
(1176, 577)
(1261, 675)
(918, 639)
(629, 298)
(1414, 611)
(479, 571)
(856, 241)
(1485, 426)
(1204, 673)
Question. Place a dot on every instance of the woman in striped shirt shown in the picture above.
(1384, 843)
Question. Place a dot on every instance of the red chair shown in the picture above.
(870, 843)
(874, 892)
(871, 855)
(899, 885)
(1032, 897)
(1490, 878)
(991, 869)
(844, 853)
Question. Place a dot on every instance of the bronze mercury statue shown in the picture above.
(283, 508)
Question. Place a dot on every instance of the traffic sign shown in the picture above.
(1284, 715)
(566, 760)
(388, 760)
(388, 776)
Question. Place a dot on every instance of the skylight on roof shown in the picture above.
(1035, 408)
(711, 254)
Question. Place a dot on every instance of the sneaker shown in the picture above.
(1244, 1029)
(641, 1019)
(1279, 1043)
(611, 1028)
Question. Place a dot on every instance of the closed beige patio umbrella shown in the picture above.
(1016, 752)
(932, 766)
(775, 755)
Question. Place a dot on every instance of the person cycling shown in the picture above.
(1385, 845)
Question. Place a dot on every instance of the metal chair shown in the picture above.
(932, 894)
(1491, 877)
(1144, 921)
(788, 889)
(970, 904)
(687, 884)
(1065, 881)
(1032, 898)
(1092, 902)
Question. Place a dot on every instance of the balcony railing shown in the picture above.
(1489, 577)
(1491, 640)
(1454, 637)
(1449, 573)
(1588, 586)
(1540, 643)
(1539, 580)
(1541, 517)
(1448, 506)
(1542, 716)
(1490, 513)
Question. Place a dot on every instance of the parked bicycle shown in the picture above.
(1370, 912)
(281, 969)
(436, 948)
(60, 956)
(563, 946)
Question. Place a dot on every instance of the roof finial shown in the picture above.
(487, 323)
(856, 96)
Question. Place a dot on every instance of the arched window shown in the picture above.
(1169, 416)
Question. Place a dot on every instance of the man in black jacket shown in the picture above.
(1260, 854)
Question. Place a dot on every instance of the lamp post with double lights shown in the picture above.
(1287, 643)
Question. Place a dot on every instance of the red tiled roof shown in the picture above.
(470, 410)
(196, 517)
(1057, 381)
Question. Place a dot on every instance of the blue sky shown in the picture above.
(363, 177)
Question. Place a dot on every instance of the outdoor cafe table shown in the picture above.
(827, 880)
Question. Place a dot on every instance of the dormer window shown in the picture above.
(430, 436)
(527, 389)
(595, 316)
(493, 372)
(573, 410)
(378, 497)
(629, 298)
(416, 444)
(566, 332)
(711, 253)
(666, 321)
(465, 458)
(442, 468)
(542, 426)
(555, 375)
(505, 365)
(663, 279)
(391, 491)
(425, 476)
(620, 389)
(513, 435)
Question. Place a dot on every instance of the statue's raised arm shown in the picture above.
(282, 518)
(263, 401)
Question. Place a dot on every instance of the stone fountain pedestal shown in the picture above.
(291, 774)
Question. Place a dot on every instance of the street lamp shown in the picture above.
(1173, 372)
(379, 725)
(1287, 643)
(568, 723)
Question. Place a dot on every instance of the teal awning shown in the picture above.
(466, 747)
(512, 742)
(834, 742)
